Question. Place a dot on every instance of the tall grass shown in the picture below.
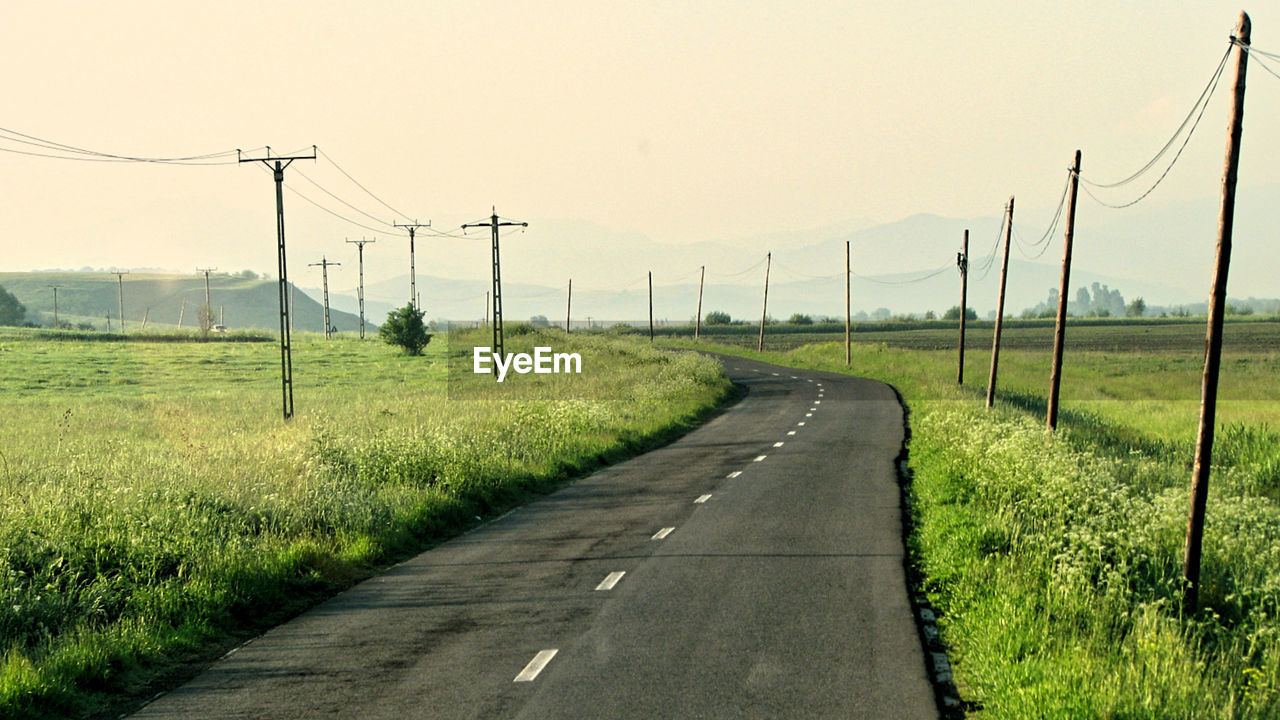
(153, 505)
(1056, 559)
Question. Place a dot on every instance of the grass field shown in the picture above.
(1055, 560)
(155, 507)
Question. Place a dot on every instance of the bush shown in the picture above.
(404, 328)
(716, 317)
(800, 319)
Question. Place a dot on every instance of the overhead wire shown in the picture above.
(1202, 100)
(1202, 104)
(72, 152)
(929, 274)
(360, 185)
(991, 256)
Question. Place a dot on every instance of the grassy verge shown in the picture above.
(1055, 560)
(156, 508)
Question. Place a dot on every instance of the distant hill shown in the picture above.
(243, 302)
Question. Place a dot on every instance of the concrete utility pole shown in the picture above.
(1213, 336)
(1004, 274)
(568, 306)
(278, 164)
(55, 305)
(1060, 327)
(848, 317)
(120, 296)
(208, 301)
(413, 277)
(324, 274)
(697, 319)
(494, 224)
(360, 288)
(768, 262)
(962, 261)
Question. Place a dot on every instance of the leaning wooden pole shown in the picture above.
(962, 260)
(768, 260)
(848, 318)
(1060, 328)
(697, 319)
(1213, 337)
(1004, 275)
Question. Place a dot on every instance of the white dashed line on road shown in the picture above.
(610, 580)
(734, 474)
(808, 414)
(662, 533)
(702, 498)
(761, 457)
(777, 444)
(536, 665)
(791, 432)
(800, 424)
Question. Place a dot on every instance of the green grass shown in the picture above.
(1056, 560)
(156, 507)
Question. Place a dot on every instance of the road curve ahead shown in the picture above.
(751, 569)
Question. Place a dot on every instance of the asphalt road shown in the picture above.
(752, 569)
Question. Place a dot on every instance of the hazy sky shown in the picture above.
(683, 121)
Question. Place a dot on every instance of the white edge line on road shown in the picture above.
(778, 444)
(791, 432)
(663, 533)
(703, 498)
(759, 458)
(734, 474)
(536, 665)
(610, 580)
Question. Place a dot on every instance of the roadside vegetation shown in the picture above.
(154, 507)
(1055, 561)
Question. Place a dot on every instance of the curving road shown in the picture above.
(751, 569)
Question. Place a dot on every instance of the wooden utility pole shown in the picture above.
(650, 306)
(360, 288)
(962, 260)
(848, 318)
(145, 315)
(207, 317)
(1004, 274)
(55, 305)
(413, 276)
(324, 274)
(1060, 328)
(768, 260)
(1213, 336)
(278, 165)
(568, 307)
(494, 224)
(120, 296)
(697, 319)
(182, 311)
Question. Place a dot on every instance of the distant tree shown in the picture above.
(954, 314)
(1136, 308)
(799, 319)
(404, 327)
(85, 326)
(12, 312)
(881, 314)
(247, 275)
(717, 317)
(540, 321)
(930, 315)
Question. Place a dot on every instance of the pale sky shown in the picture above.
(682, 121)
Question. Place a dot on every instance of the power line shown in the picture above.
(1202, 100)
(361, 186)
(930, 274)
(84, 154)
